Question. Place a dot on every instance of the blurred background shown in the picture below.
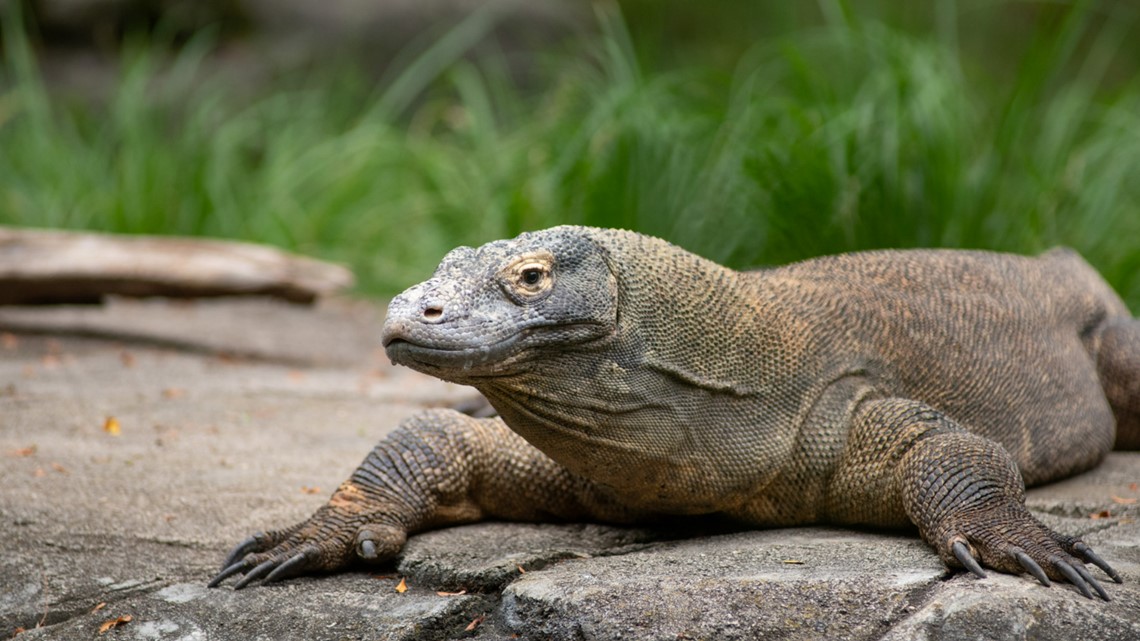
(382, 133)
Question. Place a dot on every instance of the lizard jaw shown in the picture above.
(510, 354)
(404, 351)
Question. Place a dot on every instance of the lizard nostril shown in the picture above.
(433, 312)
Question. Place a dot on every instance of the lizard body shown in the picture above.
(635, 380)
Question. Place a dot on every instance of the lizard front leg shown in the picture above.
(439, 468)
(963, 491)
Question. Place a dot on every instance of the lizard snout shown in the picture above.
(416, 316)
(417, 305)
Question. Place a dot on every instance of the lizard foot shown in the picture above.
(1010, 539)
(329, 540)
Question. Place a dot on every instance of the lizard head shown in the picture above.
(602, 348)
(493, 310)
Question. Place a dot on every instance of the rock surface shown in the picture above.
(213, 446)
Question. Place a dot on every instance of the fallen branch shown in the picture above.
(52, 267)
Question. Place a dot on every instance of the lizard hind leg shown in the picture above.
(1118, 365)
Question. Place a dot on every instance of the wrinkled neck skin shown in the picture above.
(674, 411)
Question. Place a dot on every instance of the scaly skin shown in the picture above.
(635, 380)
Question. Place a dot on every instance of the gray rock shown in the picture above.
(488, 556)
(794, 584)
(1007, 607)
(346, 607)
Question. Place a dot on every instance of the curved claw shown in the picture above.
(1086, 554)
(290, 568)
(1032, 567)
(367, 549)
(241, 549)
(1091, 581)
(256, 573)
(234, 568)
(962, 553)
(1073, 577)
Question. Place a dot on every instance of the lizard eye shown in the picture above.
(530, 276)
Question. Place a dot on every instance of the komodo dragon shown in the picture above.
(635, 380)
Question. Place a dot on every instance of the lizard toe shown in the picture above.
(1032, 567)
(256, 573)
(1075, 577)
(1082, 551)
(251, 544)
(296, 565)
(379, 542)
(966, 558)
(258, 542)
(230, 570)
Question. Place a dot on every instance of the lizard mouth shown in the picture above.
(404, 351)
(404, 347)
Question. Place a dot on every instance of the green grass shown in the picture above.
(846, 134)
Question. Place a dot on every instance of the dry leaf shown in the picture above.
(459, 593)
(39, 473)
(522, 570)
(1122, 501)
(793, 562)
(59, 468)
(173, 392)
(475, 623)
(111, 426)
(127, 358)
(9, 341)
(114, 623)
(18, 630)
(1103, 514)
(22, 452)
(1133, 487)
(99, 607)
(310, 490)
(403, 586)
